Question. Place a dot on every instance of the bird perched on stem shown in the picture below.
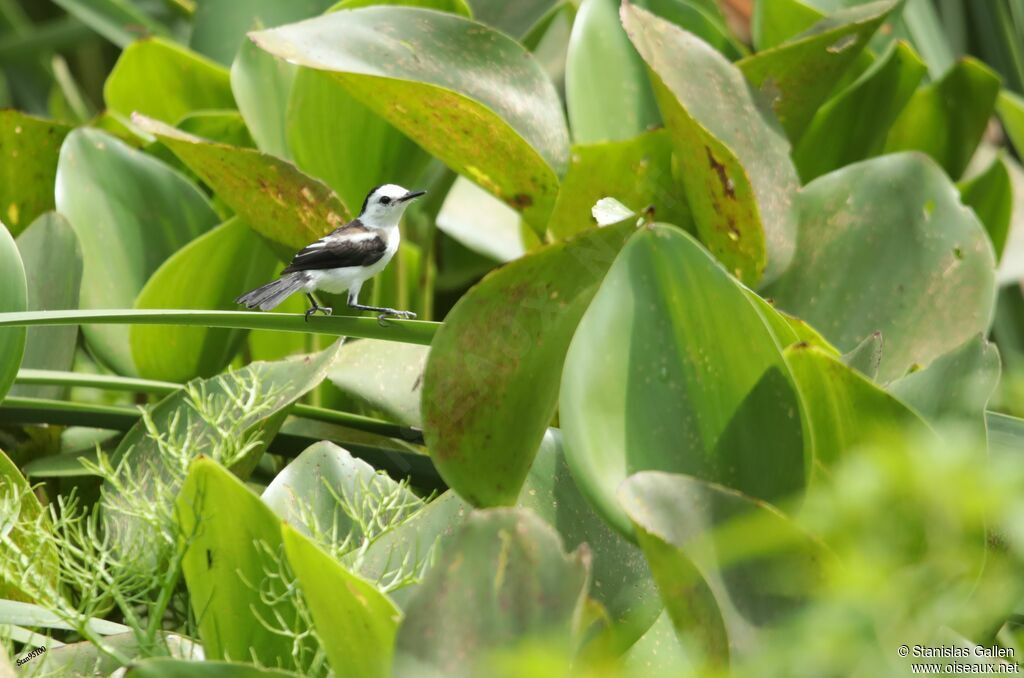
(343, 259)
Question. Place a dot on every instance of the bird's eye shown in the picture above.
(385, 200)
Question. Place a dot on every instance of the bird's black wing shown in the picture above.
(350, 245)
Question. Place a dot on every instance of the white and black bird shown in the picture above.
(343, 259)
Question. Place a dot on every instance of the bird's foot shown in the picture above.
(389, 313)
(326, 310)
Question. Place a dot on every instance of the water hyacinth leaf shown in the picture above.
(472, 97)
(513, 18)
(885, 246)
(498, 236)
(947, 118)
(738, 178)
(121, 23)
(278, 201)
(607, 92)
(52, 259)
(384, 377)
(13, 298)
(798, 75)
(672, 368)
(728, 566)
(29, 148)
(501, 582)
(207, 273)
(226, 127)
(776, 21)
(262, 86)
(866, 356)
(1010, 107)
(637, 172)
(658, 652)
(219, 26)
(226, 566)
(865, 111)
(111, 193)
(22, 517)
(356, 623)
(163, 80)
(163, 667)
(990, 194)
(700, 20)
(491, 384)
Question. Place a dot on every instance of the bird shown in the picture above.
(343, 259)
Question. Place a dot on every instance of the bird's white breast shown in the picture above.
(337, 280)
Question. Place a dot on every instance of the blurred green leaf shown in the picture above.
(658, 652)
(947, 118)
(606, 89)
(512, 18)
(854, 124)
(885, 246)
(119, 21)
(84, 658)
(734, 159)
(797, 76)
(990, 195)
(866, 357)
(356, 623)
(776, 21)
(459, 7)
(277, 200)
(491, 384)
(226, 566)
(383, 376)
(672, 368)
(130, 212)
(226, 127)
(13, 298)
(29, 148)
(19, 523)
(163, 667)
(209, 272)
(163, 80)
(471, 96)
(698, 19)
(262, 86)
(219, 26)
(502, 580)
(36, 616)
(498, 236)
(636, 172)
(1011, 111)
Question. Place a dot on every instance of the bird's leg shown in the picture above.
(326, 310)
(353, 302)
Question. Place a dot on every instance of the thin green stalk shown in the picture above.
(54, 35)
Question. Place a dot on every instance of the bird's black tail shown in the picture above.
(273, 293)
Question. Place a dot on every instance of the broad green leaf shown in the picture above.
(341, 141)
(672, 368)
(990, 194)
(854, 124)
(29, 148)
(497, 236)
(702, 21)
(382, 376)
(307, 492)
(234, 540)
(737, 175)
(277, 200)
(636, 172)
(21, 518)
(798, 75)
(607, 92)
(226, 127)
(955, 386)
(209, 272)
(866, 356)
(85, 659)
(512, 18)
(885, 246)
(843, 407)
(356, 623)
(729, 567)
(262, 86)
(1005, 435)
(491, 384)
(13, 298)
(658, 652)
(118, 21)
(502, 581)
(165, 81)
(472, 97)
(776, 21)
(1011, 111)
(130, 212)
(52, 260)
(162, 667)
(947, 118)
(219, 26)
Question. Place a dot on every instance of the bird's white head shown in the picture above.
(384, 205)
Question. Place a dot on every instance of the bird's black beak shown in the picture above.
(411, 195)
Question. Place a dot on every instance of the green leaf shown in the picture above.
(502, 581)
(52, 261)
(209, 272)
(990, 194)
(701, 21)
(13, 297)
(729, 567)
(472, 97)
(162, 667)
(866, 356)
(658, 652)
(637, 172)
(854, 124)
(384, 377)
(606, 88)
(1011, 111)
(356, 623)
(19, 525)
(278, 201)
(29, 148)
(118, 21)
(130, 212)
(163, 80)
(219, 26)
(798, 75)
(885, 246)
(672, 368)
(947, 118)
(226, 127)
(229, 555)
(262, 86)
(35, 616)
(735, 165)
(84, 658)
(512, 18)
(498, 237)
(491, 384)
(452, 6)
(776, 21)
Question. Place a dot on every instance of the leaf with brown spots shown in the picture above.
(29, 148)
